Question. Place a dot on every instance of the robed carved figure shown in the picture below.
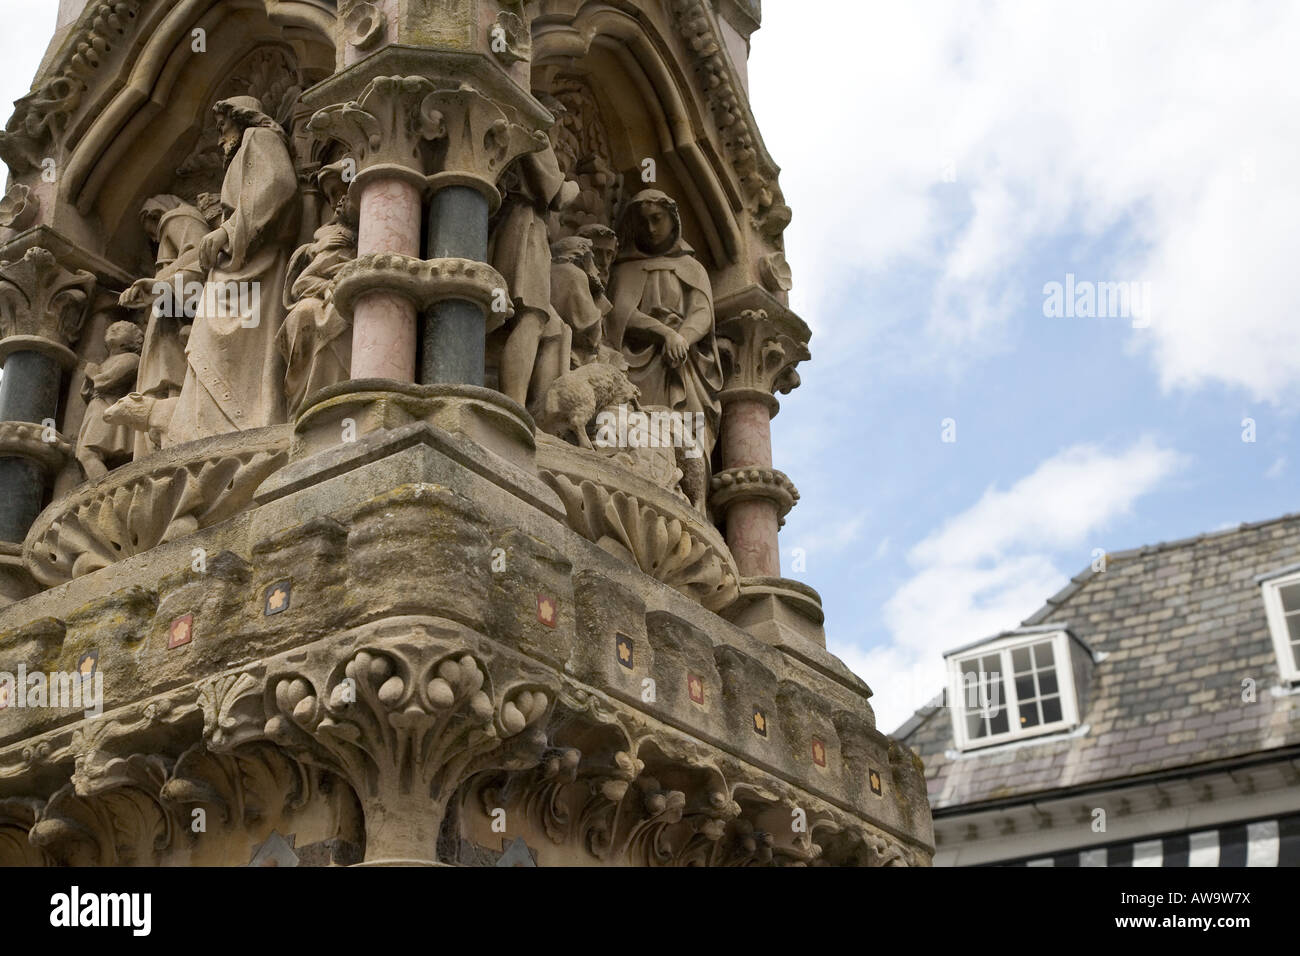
(315, 339)
(663, 314)
(177, 228)
(235, 379)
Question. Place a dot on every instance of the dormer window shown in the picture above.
(1282, 605)
(1012, 687)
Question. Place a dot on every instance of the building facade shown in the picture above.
(1147, 715)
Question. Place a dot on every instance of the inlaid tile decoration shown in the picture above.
(818, 752)
(624, 651)
(695, 687)
(548, 611)
(277, 598)
(181, 632)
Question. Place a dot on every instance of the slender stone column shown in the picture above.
(42, 309)
(760, 354)
(384, 129)
(481, 141)
(454, 328)
(383, 325)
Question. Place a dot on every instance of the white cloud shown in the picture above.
(1171, 138)
(991, 566)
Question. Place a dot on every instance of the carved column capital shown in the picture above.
(760, 350)
(477, 141)
(384, 128)
(42, 306)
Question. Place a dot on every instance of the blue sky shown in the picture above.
(1115, 141)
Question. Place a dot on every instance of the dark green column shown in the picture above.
(452, 351)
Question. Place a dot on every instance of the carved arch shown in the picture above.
(636, 68)
(162, 71)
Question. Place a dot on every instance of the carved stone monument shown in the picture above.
(385, 451)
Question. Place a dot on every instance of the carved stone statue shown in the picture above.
(176, 227)
(315, 340)
(573, 334)
(235, 377)
(520, 251)
(604, 248)
(101, 445)
(663, 314)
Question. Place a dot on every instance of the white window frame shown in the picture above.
(1063, 658)
(1277, 625)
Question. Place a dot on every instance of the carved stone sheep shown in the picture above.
(573, 400)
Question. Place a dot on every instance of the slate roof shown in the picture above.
(1179, 626)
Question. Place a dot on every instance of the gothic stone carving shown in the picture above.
(42, 305)
(41, 117)
(142, 505)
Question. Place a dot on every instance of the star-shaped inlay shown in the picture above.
(760, 723)
(546, 610)
(278, 597)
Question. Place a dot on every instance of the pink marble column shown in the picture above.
(753, 524)
(752, 528)
(383, 324)
(746, 434)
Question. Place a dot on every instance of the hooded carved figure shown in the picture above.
(177, 227)
(663, 314)
(235, 377)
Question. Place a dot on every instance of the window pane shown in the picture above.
(970, 670)
(1028, 715)
(998, 724)
(1291, 597)
(1293, 627)
(996, 690)
(1047, 682)
(992, 664)
(974, 725)
(1025, 688)
(1043, 654)
(1295, 652)
(1020, 660)
(1051, 709)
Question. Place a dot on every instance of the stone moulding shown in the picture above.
(373, 739)
(739, 484)
(631, 517)
(137, 507)
(30, 440)
(423, 281)
(43, 115)
(756, 171)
